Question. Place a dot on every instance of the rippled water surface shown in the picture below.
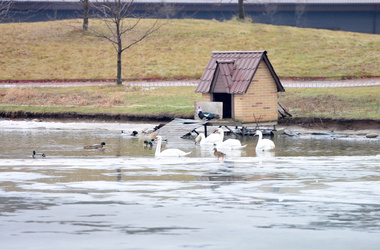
(312, 192)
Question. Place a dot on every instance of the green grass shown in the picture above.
(181, 48)
(358, 102)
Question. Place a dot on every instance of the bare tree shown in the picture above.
(85, 15)
(123, 27)
(241, 10)
(5, 7)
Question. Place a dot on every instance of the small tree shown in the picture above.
(123, 27)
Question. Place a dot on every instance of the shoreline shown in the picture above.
(348, 126)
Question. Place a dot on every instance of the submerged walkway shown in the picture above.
(285, 83)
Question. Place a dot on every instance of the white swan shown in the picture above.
(209, 140)
(229, 143)
(263, 144)
(171, 152)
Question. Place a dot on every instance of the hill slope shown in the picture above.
(182, 48)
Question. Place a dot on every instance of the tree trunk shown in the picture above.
(241, 10)
(85, 15)
(118, 80)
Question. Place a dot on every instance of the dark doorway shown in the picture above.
(227, 103)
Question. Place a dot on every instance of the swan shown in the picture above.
(263, 144)
(171, 152)
(229, 143)
(209, 140)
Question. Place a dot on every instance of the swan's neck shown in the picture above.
(158, 147)
(260, 136)
(221, 137)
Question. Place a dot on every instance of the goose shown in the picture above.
(211, 139)
(95, 146)
(263, 144)
(229, 143)
(219, 154)
(171, 152)
(38, 155)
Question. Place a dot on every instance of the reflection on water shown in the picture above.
(310, 193)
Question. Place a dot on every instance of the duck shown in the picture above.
(133, 134)
(38, 155)
(171, 152)
(211, 139)
(205, 115)
(229, 143)
(219, 154)
(95, 146)
(148, 144)
(263, 144)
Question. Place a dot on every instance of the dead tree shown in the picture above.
(123, 27)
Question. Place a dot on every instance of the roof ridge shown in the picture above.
(238, 52)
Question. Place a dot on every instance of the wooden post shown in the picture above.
(232, 131)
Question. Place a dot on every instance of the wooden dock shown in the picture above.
(179, 128)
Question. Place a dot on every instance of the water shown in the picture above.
(313, 192)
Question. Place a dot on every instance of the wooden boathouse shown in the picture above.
(246, 85)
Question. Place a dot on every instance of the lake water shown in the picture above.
(312, 192)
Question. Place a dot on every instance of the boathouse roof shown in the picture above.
(236, 68)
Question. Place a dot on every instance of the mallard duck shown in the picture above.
(133, 134)
(219, 154)
(95, 146)
(38, 155)
(148, 144)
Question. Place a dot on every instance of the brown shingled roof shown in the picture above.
(237, 69)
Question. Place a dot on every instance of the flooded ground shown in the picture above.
(312, 192)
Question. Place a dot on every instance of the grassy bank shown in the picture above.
(358, 102)
(59, 49)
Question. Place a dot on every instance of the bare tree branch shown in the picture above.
(5, 7)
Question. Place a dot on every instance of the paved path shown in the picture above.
(285, 83)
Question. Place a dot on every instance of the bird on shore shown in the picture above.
(263, 144)
(219, 154)
(38, 155)
(95, 146)
(205, 115)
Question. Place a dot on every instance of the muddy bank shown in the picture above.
(307, 123)
(332, 124)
